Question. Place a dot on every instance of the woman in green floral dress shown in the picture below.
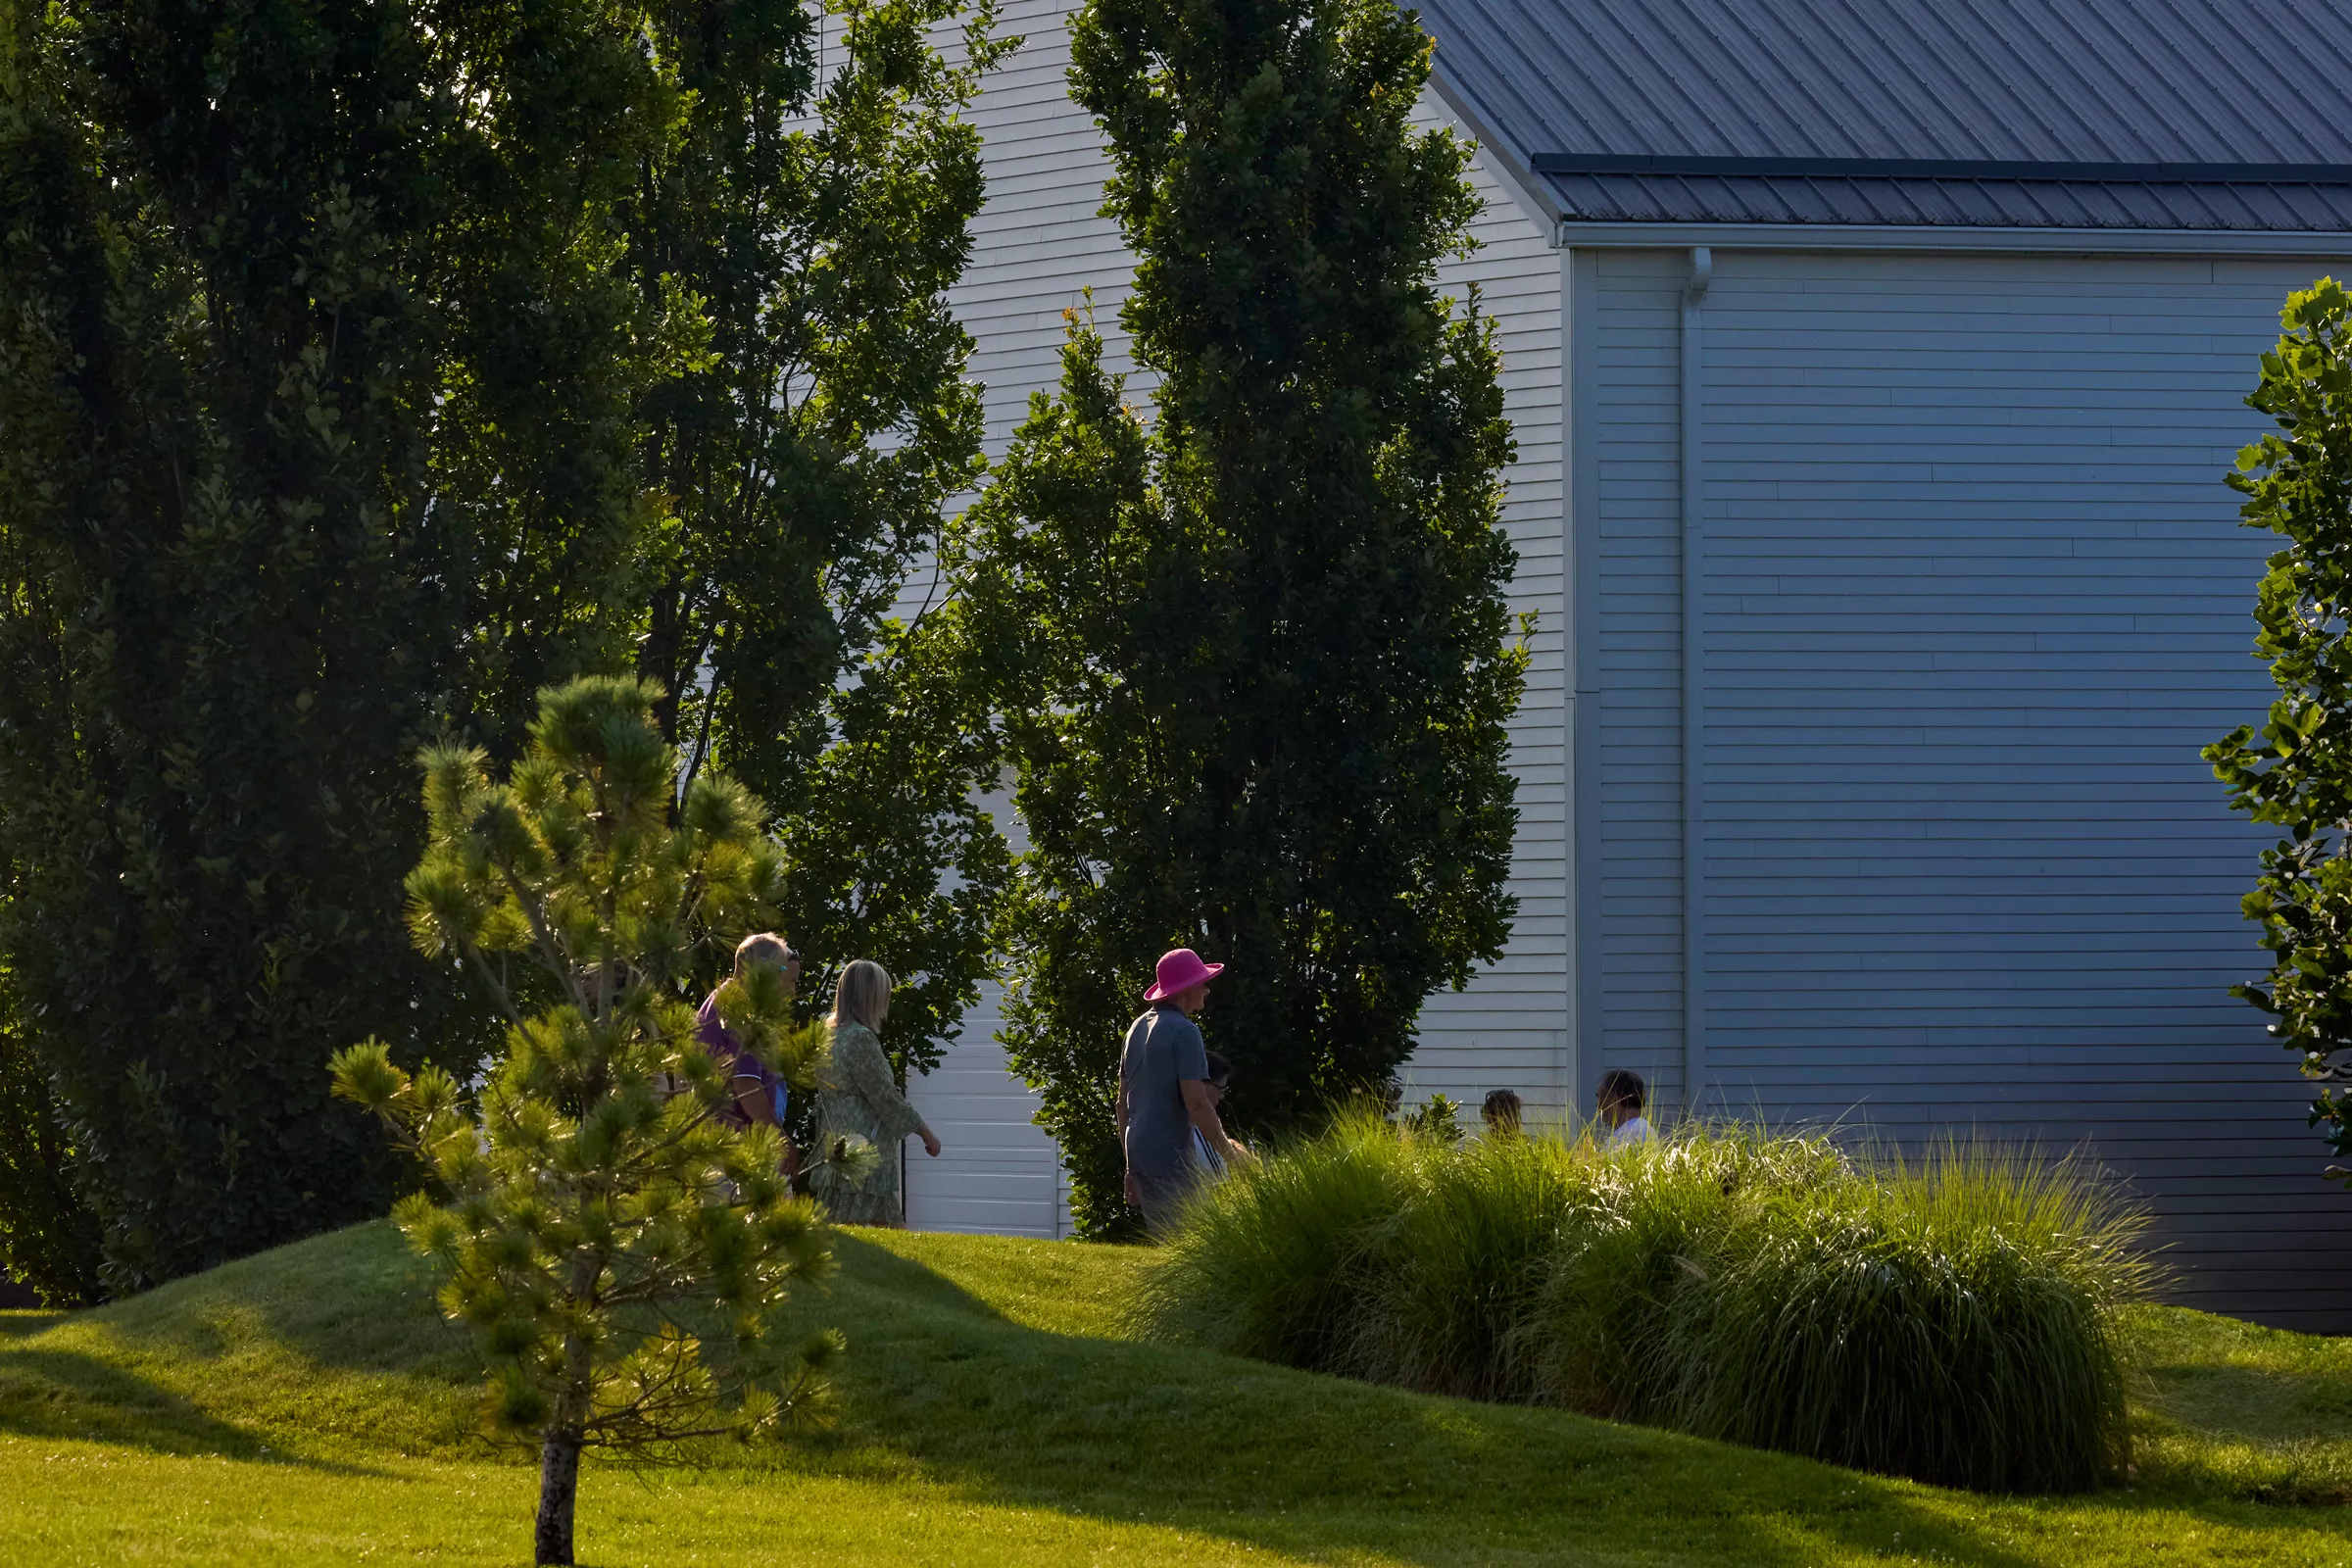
(858, 1094)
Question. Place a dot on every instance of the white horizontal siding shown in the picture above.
(997, 1171)
(1038, 245)
(1040, 241)
(1510, 1028)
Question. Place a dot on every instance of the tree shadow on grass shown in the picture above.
(329, 1339)
(63, 1393)
(354, 1301)
(2258, 1404)
(25, 1325)
(942, 1382)
(2271, 1436)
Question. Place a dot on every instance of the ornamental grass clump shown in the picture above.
(1277, 1267)
(1951, 1318)
(1628, 1285)
(1462, 1267)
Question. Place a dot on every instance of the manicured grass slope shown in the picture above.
(307, 1407)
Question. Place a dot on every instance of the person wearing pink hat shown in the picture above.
(1164, 1093)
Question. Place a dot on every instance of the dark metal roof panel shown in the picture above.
(2235, 82)
(1976, 203)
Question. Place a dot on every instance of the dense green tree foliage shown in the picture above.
(2297, 771)
(220, 640)
(808, 450)
(1252, 658)
(544, 528)
(598, 1220)
(357, 364)
(48, 1239)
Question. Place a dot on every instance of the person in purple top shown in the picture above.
(1164, 1093)
(758, 1091)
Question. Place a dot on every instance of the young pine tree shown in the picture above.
(2297, 772)
(598, 1220)
(1251, 660)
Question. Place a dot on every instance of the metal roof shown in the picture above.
(2048, 114)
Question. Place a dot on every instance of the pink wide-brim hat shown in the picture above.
(1181, 970)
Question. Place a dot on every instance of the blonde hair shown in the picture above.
(861, 995)
(763, 946)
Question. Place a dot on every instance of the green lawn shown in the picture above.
(307, 1407)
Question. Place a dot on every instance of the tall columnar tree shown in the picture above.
(257, 267)
(545, 529)
(1253, 658)
(367, 368)
(48, 1236)
(598, 1225)
(216, 653)
(809, 451)
(2296, 771)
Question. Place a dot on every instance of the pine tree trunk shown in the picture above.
(558, 1490)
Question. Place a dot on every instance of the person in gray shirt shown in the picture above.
(1164, 1093)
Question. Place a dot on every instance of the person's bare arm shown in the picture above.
(753, 1096)
(761, 1106)
(1119, 1114)
(1203, 1111)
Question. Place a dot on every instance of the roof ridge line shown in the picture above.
(1997, 169)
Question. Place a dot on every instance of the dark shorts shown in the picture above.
(1162, 1199)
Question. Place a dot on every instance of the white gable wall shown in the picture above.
(1037, 246)
(1509, 1028)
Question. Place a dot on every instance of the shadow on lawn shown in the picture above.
(2267, 1434)
(2258, 1404)
(358, 1312)
(1306, 1463)
(65, 1394)
(25, 1325)
(361, 1301)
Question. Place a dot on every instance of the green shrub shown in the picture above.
(1457, 1272)
(1275, 1265)
(1951, 1318)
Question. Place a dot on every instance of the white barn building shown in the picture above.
(1873, 367)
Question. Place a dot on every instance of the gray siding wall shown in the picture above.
(1973, 595)
(1629, 324)
(1510, 1028)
